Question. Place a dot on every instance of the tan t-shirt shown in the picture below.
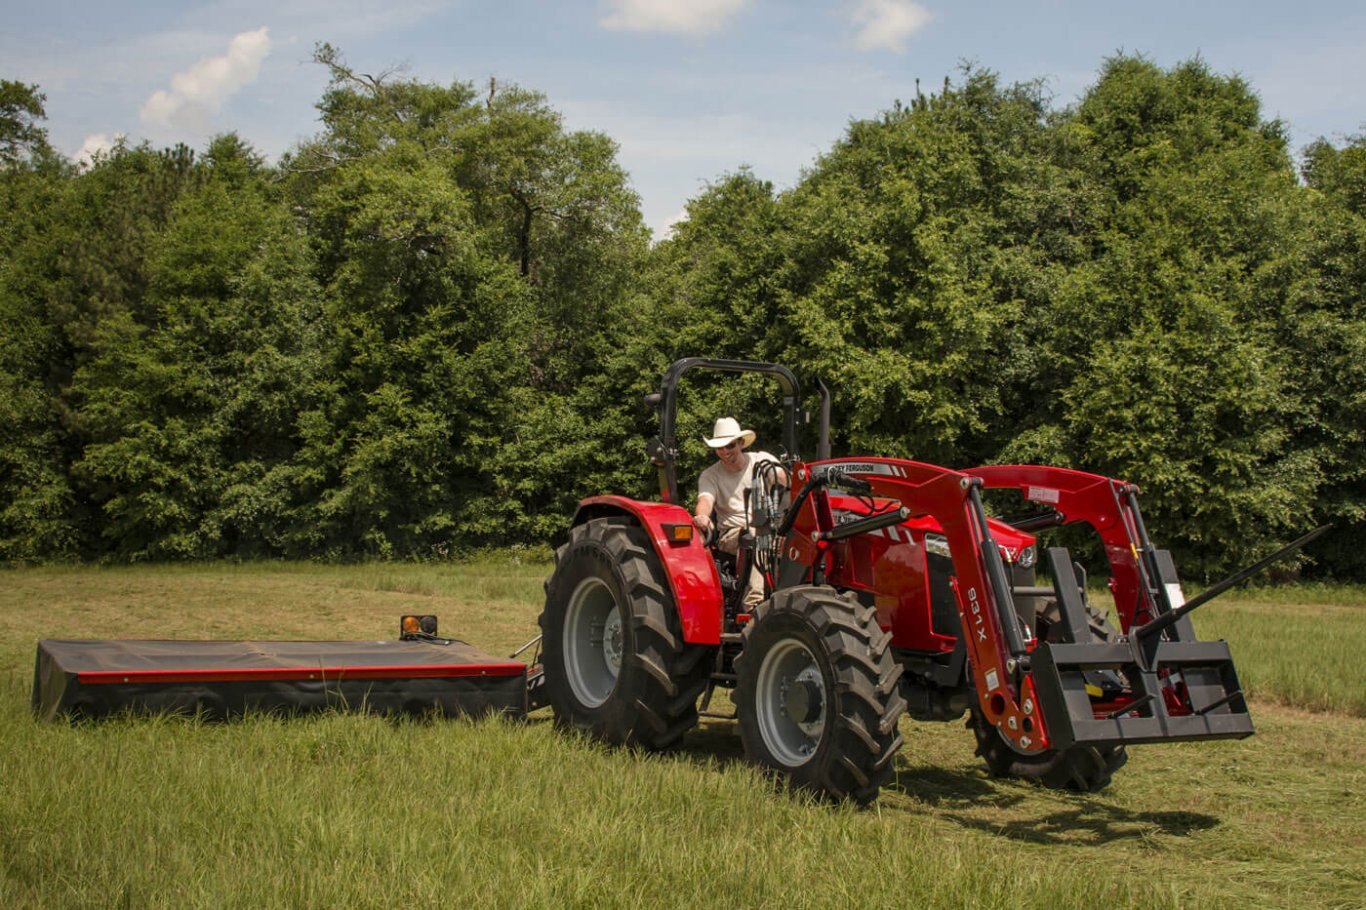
(727, 489)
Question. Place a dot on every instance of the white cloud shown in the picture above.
(663, 230)
(886, 24)
(94, 144)
(203, 88)
(688, 17)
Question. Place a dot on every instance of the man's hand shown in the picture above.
(703, 522)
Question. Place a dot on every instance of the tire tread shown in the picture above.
(666, 673)
(857, 761)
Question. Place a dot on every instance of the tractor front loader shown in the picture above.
(890, 590)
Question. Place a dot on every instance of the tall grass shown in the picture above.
(355, 811)
(1309, 655)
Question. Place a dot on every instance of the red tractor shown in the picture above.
(890, 590)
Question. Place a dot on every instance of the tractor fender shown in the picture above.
(688, 566)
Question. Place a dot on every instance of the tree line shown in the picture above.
(428, 329)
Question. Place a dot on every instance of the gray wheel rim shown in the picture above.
(787, 665)
(592, 642)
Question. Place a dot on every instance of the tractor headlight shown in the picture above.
(1027, 557)
(937, 544)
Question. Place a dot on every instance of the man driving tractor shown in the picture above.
(721, 492)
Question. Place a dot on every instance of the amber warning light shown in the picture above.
(413, 626)
(678, 533)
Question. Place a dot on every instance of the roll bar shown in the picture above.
(663, 449)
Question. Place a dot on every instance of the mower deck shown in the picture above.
(229, 678)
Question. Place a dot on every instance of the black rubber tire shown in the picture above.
(1080, 767)
(852, 757)
(1048, 622)
(653, 700)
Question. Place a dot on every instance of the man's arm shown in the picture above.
(702, 518)
(706, 502)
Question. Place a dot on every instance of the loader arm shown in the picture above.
(1178, 687)
(1110, 507)
(995, 643)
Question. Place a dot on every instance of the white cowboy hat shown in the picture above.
(726, 431)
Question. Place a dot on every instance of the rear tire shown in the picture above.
(1079, 767)
(616, 665)
(817, 694)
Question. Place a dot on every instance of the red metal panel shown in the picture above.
(689, 567)
(891, 565)
(1095, 500)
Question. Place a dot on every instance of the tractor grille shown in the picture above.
(943, 605)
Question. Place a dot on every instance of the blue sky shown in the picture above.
(690, 89)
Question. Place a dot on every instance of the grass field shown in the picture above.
(353, 811)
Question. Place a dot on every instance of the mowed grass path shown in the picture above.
(351, 811)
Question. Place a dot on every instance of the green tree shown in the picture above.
(475, 257)
(1324, 327)
(21, 111)
(38, 516)
(713, 279)
(910, 265)
(1162, 350)
(192, 412)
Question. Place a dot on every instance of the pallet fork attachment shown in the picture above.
(1182, 688)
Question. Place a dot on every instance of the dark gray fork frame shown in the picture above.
(1218, 709)
(1147, 657)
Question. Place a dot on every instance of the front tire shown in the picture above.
(616, 665)
(1084, 768)
(817, 695)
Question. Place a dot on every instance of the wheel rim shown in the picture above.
(790, 703)
(592, 642)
